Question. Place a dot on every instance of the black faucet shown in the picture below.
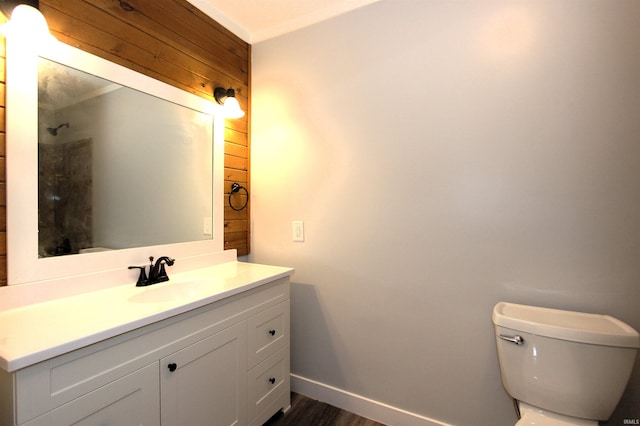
(157, 272)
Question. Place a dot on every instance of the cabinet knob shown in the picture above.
(272, 332)
(272, 380)
(172, 367)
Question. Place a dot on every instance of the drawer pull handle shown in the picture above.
(272, 332)
(272, 380)
(172, 367)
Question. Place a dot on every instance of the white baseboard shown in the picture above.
(359, 405)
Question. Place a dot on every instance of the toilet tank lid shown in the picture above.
(566, 325)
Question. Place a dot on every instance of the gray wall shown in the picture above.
(444, 156)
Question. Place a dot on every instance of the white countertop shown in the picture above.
(40, 331)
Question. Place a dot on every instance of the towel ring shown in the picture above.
(235, 187)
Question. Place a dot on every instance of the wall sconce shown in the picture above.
(227, 98)
(25, 21)
(7, 6)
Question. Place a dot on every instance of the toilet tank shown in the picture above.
(572, 363)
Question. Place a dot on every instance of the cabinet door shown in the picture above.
(132, 400)
(205, 383)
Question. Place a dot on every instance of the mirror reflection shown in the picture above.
(118, 168)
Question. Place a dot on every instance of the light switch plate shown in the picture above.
(297, 230)
(206, 230)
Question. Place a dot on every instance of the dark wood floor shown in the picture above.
(309, 412)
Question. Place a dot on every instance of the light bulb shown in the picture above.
(28, 25)
(232, 108)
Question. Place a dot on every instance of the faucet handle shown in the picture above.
(142, 278)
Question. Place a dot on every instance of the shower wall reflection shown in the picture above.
(64, 197)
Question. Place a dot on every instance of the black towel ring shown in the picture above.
(235, 187)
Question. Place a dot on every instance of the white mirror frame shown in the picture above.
(24, 265)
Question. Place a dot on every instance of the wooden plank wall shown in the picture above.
(171, 41)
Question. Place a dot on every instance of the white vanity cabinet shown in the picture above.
(225, 363)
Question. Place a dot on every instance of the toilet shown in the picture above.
(562, 367)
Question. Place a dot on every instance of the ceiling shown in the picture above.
(258, 20)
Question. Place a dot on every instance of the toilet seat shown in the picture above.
(535, 416)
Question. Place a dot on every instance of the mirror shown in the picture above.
(117, 167)
(106, 166)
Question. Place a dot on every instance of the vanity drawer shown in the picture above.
(267, 382)
(268, 332)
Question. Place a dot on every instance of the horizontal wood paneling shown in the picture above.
(236, 150)
(171, 41)
(233, 162)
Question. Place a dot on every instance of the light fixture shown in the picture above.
(25, 21)
(227, 98)
(7, 6)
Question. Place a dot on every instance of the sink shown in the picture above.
(173, 290)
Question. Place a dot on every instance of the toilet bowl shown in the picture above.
(563, 367)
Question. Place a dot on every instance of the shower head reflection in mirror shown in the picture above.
(54, 130)
(25, 263)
